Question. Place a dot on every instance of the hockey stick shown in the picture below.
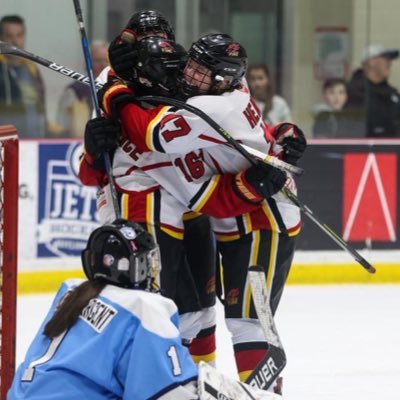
(88, 62)
(6, 48)
(276, 162)
(344, 245)
(269, 368)
(214, 385)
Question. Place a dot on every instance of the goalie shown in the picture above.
(113, 335)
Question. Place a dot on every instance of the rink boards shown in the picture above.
(354, 190)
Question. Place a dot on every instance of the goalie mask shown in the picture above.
(159, 63)
(144, 22)
(122, 254)
(220, 61)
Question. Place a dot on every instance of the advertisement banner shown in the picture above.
(354, 191)
(58, 210)
(352, 186)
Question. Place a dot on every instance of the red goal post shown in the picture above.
(8, 253)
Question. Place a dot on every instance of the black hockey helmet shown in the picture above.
(159, 62)
(151, 20)
(122, 254)
(224, 57)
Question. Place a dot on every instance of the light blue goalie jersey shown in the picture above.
(125, 345)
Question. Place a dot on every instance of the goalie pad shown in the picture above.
(213, 385)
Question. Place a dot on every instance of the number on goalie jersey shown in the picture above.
(125, 344)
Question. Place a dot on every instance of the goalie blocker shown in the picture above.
(213, 385)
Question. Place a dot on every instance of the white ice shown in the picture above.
(342, 341)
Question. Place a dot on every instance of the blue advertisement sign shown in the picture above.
(67, 209)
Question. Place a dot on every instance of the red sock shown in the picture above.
(203, 346)
(247, 356)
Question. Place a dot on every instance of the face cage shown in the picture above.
(151, 266)
(190, 90)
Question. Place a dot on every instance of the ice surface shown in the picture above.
(342, 341)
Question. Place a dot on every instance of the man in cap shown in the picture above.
(373, 102)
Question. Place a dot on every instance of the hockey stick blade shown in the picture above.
(214, 385)
(333, 235)
(269, 368)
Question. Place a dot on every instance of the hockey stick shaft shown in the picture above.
(6, 48)
(269, 368)
(88, 62)
(332, 234)
(180, 104)
(306, 210)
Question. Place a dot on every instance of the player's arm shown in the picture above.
(164, 129)
(228, 195)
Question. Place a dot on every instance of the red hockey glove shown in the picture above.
(292, 140)
(259, 182)
(112, 94)
(101, 135)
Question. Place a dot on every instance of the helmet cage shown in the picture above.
(122, 254)
(214, 52)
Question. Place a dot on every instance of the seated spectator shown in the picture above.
(22, 92)
(375, 104)
(329, 116)
(274, 108)
(75, 104)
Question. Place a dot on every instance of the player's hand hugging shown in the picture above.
(259, 182)
(101, 135)
(112, 94)
(292, 140)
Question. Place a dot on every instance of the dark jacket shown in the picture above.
(374, 107)
(27, 116)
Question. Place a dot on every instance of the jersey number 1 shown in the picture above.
(173, 355)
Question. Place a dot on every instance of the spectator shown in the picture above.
(22, 92)
(75, 104)
(330, 116)
(274, 108)
(373, 102)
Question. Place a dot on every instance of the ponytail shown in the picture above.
(71, 306)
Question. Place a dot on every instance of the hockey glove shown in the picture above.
(112, 94)
(123, 57)
(259, 182)
(292, 140)
(101, 135)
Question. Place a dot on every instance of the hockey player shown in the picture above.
(111, 336)
(188, 270)
(265, 236)
(114, 337)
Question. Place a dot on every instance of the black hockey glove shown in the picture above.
(123, 58)
(259, 182)
(292, 140)
(101, 135)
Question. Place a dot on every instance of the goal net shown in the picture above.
(8, 253)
